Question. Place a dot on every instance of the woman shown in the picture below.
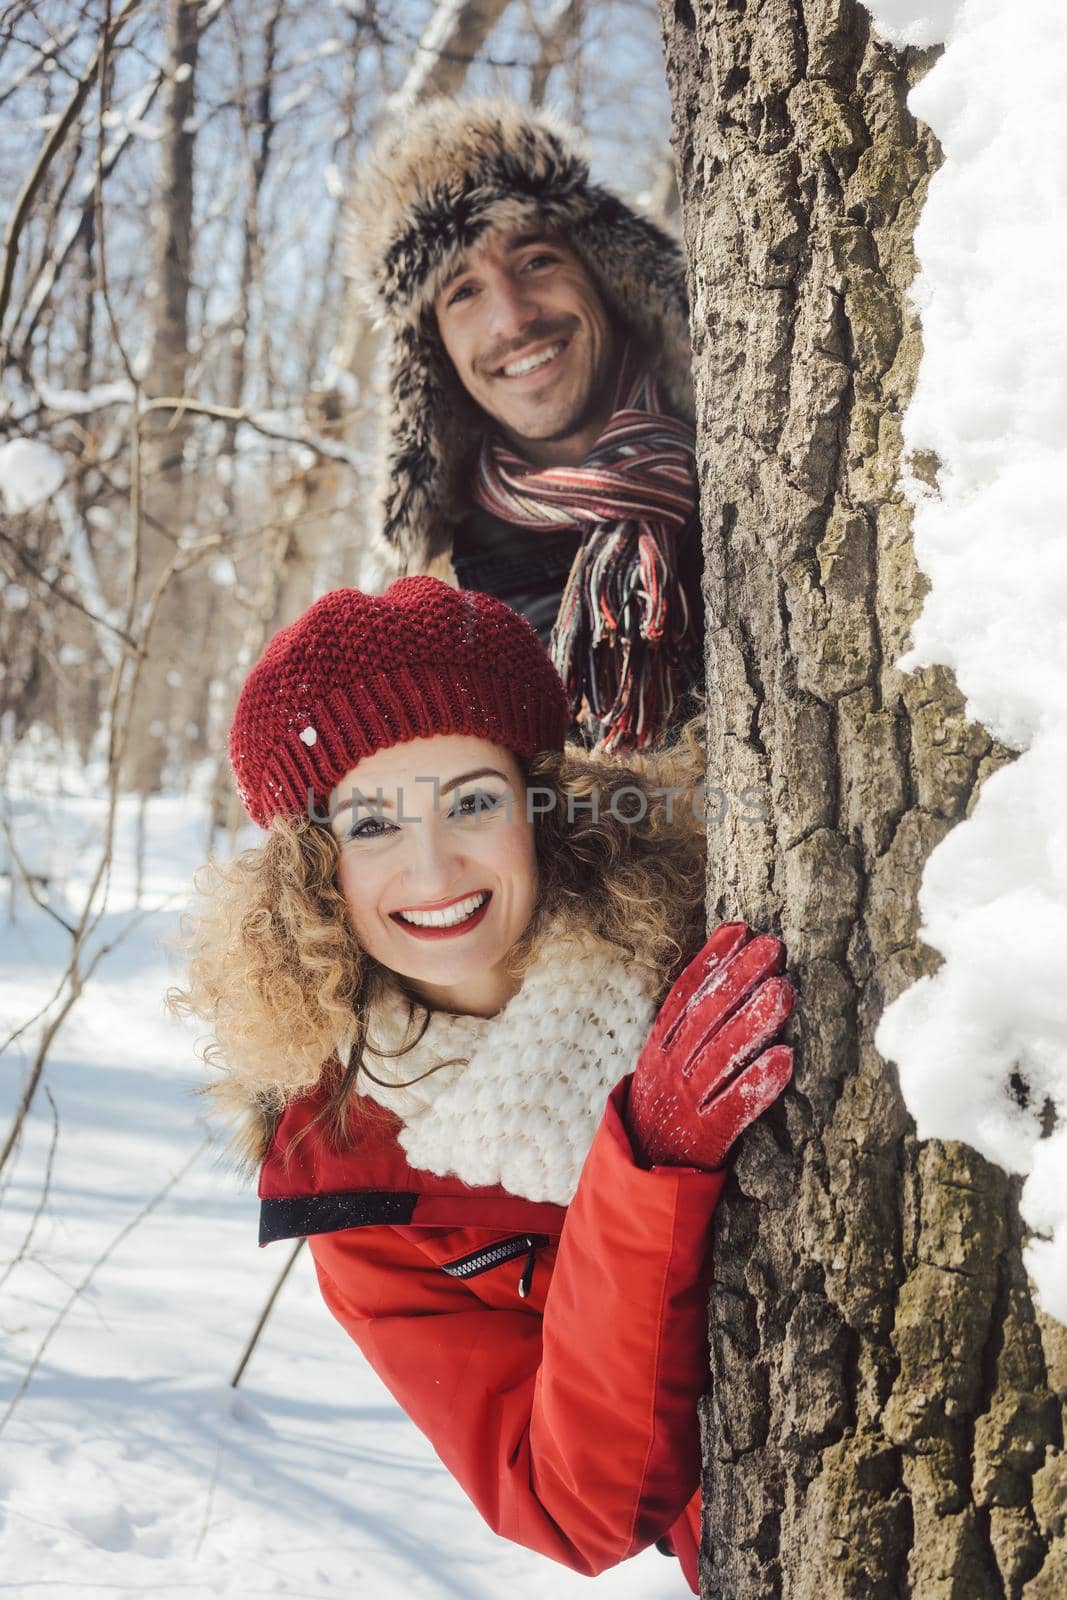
(428, 990)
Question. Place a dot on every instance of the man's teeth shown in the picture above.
(531, 363)
(447, 918)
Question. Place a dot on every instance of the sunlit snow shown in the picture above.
(982, 1046)
(128, 1466)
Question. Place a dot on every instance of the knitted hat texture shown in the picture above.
(359, 673)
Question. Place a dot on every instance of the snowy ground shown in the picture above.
(127, 1465)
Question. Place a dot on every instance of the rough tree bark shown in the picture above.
(886, 1416)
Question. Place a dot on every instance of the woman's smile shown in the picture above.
(457, 918)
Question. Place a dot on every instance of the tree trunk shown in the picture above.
(447, 48)
(886, 1416)
(561, 32)
(179, 634)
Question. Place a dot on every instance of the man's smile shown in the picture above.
(532, 361)
(533, 343)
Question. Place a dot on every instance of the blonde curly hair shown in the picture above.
(276, 971)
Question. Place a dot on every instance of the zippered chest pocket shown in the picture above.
(496, 1254)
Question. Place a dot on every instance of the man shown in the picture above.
(541, 444)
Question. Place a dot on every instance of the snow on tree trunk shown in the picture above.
(886, 1416)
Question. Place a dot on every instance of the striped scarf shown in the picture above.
(622, 641)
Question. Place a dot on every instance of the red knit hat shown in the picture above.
(358, 673)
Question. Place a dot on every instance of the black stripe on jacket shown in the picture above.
(303, 1215)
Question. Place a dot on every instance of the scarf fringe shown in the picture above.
(621, 643)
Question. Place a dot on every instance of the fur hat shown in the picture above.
(445, 177)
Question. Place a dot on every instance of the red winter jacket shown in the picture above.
(553, 1356)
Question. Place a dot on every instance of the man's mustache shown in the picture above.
(542, 329)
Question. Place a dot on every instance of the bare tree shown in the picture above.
(886, 1414)
(558, 35)
(258, 127)
(446, 50)
(164, 695)
(57, 136)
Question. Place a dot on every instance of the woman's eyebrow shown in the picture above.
(381, 804)
(465, 777)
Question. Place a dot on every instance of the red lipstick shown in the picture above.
(445, 933)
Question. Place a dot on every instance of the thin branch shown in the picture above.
(75, 228)
(48, 151)
(186, 404)
(118, 731)
(135, 628)
(16, 1033)
(80, 1288)
(77, 981)
(87, 921)
(108, 157)
(48, 51)
(53, 587)
(98, 209)
(180, 404)
(27, 879)
(46, 1189)
(265, 1313)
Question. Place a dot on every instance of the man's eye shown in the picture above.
(544, 259)
(476, 803)
(462, 293)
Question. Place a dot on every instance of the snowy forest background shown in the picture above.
(172, 177)
(187, 456)
(174, 180)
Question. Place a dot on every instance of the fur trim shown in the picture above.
(451, 174)
(448, 174)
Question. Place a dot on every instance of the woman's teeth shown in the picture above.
(449, 916)
(530, 363)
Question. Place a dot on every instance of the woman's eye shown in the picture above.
(367, 828)
(476, 803)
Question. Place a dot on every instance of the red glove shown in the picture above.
(701, 1079)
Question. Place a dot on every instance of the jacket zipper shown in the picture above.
(495, 1255)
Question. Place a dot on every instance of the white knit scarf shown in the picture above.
(521, 1104)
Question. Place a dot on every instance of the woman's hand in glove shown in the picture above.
(704, 1073)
